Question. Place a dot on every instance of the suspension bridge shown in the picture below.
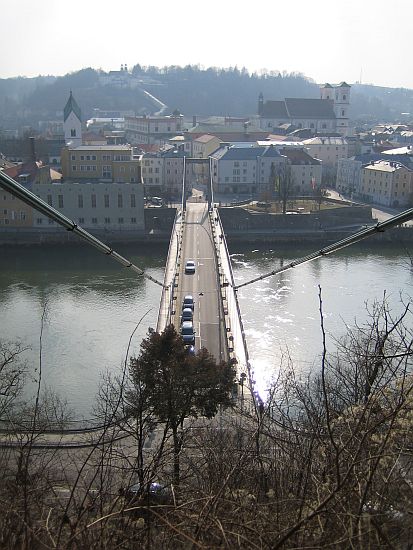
(198, 235)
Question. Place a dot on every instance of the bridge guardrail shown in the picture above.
(237, 344)
(171, 273)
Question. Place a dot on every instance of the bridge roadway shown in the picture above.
(204, 286)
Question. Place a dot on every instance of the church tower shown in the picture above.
(72, 122)
(341, 107)
(260, 103)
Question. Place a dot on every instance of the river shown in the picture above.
(92, 306)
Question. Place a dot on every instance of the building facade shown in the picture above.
(152, 129)
(112, 163)
(387, 183)
(112, 206)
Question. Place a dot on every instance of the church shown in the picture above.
(329, 114)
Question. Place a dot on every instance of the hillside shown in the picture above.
(191, 89)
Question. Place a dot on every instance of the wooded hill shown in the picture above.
(191, 89)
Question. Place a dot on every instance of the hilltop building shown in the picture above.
(325, 115)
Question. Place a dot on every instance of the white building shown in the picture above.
(114, 206)
(251, 170)
(152, 129)
(325, 115)
(387, 183)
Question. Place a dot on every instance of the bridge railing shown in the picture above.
(167, 305)
(236, 341)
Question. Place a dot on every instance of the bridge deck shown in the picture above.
(203, 285)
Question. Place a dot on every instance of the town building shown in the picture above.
(202, 148)
(152, 129)
(13, 212)
(112, 163)
(324, 115)
(93, 205)
(329, 150)
(253, 169)
(388, 183)
(163, 172)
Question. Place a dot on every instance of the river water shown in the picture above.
(92, 306)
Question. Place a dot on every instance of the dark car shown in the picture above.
(188, 302)
(188, 333)
(153, 493)
(187, 314)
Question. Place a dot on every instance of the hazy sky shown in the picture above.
(327, 40)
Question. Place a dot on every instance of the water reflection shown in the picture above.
(281, 314)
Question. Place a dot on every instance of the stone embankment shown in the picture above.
(239, 223)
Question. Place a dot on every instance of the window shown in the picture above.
(94, 221)
(73, 157)
(80, 201)
(120, 201)
(120, 220)
(106, 199)
(93, 199)
(49, 200)
(51, 222)
(39, 221)
(107, 220)
(87, 157)
(344, 97)
(81, 220)
(133, 220)
(106, 172)
(72, 132)
(60, 201)
(22, 215)
(105, 157)
(93, 157)
(74, 168)
(133, 201)
(82, 157)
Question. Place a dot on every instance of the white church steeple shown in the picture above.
(72, 123)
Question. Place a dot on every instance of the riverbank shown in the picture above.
(240, 225)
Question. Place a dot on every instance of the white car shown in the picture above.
(190, 267)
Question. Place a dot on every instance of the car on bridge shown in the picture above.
(188, 302)
(187, 314)
(188, 333)
(190, 267)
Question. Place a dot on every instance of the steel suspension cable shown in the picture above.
(352, 239)
(20, 192)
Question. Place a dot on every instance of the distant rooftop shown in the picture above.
(101, 148)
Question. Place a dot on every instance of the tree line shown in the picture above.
(192, 89)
